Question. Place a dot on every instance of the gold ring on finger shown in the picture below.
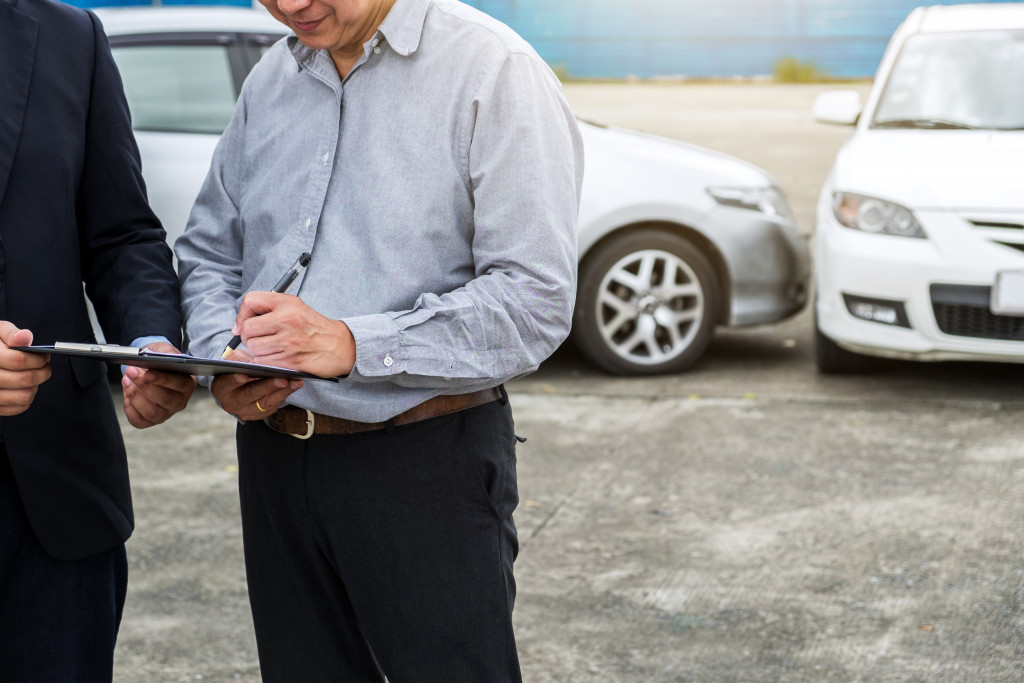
(259, 407)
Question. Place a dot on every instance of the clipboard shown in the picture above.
(168, 362)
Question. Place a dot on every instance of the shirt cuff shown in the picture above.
(143, 341)
(139, 342)
(377, 345)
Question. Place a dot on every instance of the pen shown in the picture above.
(281, 287)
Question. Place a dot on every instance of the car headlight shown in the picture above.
(767, 200)
(875, 215)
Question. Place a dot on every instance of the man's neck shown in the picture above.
(345, 58)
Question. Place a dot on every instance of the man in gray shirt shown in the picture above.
(426, 158)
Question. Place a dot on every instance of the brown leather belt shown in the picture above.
(303, 424)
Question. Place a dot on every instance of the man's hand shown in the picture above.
(20, 373)
(152, 396)
(248, 398)
(281, 330)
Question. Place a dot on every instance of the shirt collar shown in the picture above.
(402, 27)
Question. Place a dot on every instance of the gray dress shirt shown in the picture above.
(437, 189)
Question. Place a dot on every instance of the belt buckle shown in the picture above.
(310, 425)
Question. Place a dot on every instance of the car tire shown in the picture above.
(833, 359)
(629, 320)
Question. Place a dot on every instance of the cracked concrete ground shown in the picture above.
(745, 521)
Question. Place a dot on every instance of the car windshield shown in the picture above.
(956, 80)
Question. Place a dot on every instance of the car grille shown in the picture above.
(1006, 231)
(963, 311)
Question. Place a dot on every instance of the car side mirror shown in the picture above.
(841, 107)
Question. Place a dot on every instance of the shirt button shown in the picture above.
(388, 361)
(308, 222)
(376, 50)
(376, 42)
(326, 157)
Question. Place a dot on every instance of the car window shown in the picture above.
(969, 79)
(177, 88)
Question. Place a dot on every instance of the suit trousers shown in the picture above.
(385, 553)
(59, 620)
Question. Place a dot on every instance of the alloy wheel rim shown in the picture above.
(649, 307)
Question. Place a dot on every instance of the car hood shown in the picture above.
(936, 169)
(633, 178)
(659, 153)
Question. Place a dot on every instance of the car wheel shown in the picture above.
(647, 304)
(833, 359)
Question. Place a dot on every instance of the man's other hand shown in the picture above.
(20, 373)
(248, 398)
(153, 396)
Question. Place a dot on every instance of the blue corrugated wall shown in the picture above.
(691, 38)
(703, 38)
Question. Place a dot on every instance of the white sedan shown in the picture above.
(919, 248)
(674, 239)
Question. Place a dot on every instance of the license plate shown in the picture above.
(1008, 293)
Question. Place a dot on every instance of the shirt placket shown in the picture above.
(303, 235)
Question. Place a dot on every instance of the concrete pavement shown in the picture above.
(745, 521)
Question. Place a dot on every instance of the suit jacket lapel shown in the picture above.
(17, 56)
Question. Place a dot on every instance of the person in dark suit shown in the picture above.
(73, 209)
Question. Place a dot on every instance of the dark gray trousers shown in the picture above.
(383, 553)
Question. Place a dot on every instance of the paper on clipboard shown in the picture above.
(169, 362)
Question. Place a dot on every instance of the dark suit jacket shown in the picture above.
(73, 209)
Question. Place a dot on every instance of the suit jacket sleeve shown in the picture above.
(126, 262)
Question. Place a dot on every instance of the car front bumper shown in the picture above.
(943, 284)
(769, 265)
